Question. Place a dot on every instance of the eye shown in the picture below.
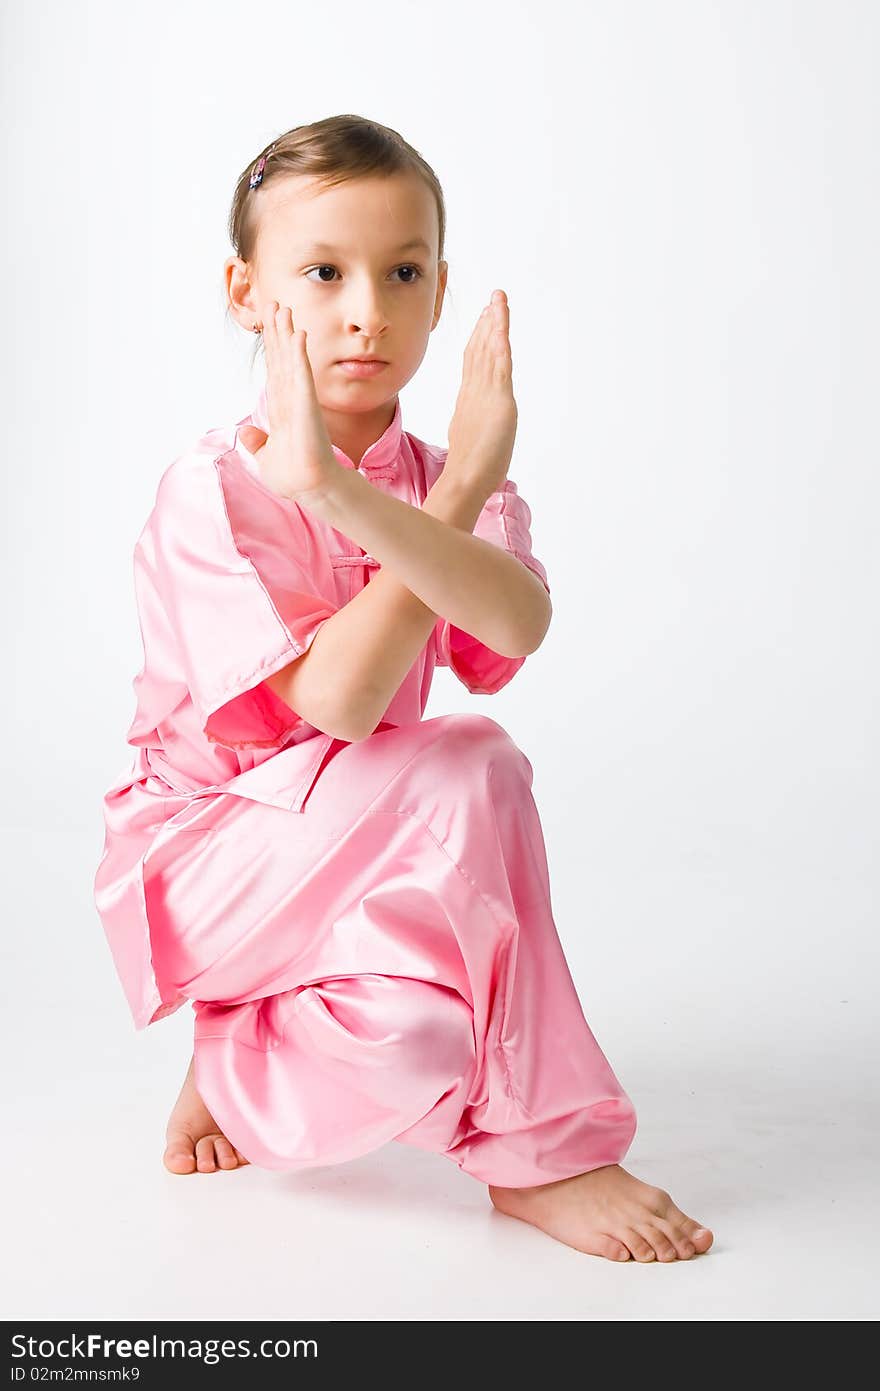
(417, 274)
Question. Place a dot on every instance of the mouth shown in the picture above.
(362, 367)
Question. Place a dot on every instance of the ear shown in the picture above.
(252, 438)
(443, 273)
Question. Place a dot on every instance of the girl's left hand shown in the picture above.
(483, 428)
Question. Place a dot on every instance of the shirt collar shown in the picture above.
(382, 455)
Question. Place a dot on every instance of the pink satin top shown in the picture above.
(232, 582)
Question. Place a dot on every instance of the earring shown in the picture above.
(258, 328)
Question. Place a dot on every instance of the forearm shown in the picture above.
(377, 635)
(477, 586)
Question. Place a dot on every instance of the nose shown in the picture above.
(365, 311)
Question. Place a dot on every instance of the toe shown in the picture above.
(641, 1249)
(179, 1157)
(664, 1248)
(179, 1161)
(689, 1238)
(609, 1248)
(676, 1232)
(240, 1157)
(701, 1237)
(205, 1154)
(225, 1154)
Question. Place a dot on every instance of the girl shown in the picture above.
(355, 900)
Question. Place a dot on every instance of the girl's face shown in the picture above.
(357, 265)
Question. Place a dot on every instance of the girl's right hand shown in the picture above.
(297, 459)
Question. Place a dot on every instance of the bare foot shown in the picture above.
(483, 426)
(194, 1141)
(608, 1212)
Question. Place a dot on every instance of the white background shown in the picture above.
(681, 201)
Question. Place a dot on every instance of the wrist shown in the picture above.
(455, 501)
(330, 499)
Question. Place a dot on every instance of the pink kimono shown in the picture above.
(364, 930)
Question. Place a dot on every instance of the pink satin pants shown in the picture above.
(385, 965)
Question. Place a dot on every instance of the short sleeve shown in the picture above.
(504, 521)
(235, 578)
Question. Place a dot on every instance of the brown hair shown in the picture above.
(334, 150)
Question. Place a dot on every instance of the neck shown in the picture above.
(354, 434)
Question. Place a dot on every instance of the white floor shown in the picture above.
(749, 1051)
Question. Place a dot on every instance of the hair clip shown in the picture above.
(257, 175)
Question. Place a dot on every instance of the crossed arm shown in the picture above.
(431, 566)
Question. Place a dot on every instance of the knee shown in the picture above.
(436, 1027)
(422, 1026)
(478, 741)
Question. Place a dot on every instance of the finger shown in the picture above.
(284, 321)
(252, 438)
(301, 346)
(481, 328)
(270, 337)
